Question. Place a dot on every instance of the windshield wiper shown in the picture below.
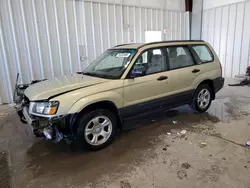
(98, 75)
(88, 74)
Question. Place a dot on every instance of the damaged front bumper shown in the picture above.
(49, 128)
(52, 128)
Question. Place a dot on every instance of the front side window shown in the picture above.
(150, 62)
(203, 53)
(179, 57)
(111, 64)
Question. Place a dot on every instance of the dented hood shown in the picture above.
(59, 85)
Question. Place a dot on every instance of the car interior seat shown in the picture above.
(157, 64)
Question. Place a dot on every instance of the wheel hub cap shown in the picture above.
(203, 98)
(98, 130)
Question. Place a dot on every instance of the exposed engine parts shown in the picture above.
(43, 128)
(19, 89)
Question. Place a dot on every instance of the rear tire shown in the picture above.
(202, 98)
(96, 129)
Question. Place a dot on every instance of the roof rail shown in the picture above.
(122, 45)
(170, 41)
(159, 42)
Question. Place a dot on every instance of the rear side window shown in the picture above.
(204, 53)
(179, 57)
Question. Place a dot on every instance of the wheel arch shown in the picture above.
(210, 84)
(104, 104)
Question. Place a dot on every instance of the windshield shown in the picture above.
(111, 64)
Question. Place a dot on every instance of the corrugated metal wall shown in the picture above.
(48, 38)
(227, 29)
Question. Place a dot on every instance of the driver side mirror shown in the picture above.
(135, 74)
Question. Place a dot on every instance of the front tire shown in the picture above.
(96, 129)
(202, 98)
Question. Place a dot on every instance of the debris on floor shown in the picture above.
(247, 143)
(242, 83)
(245, 77)
(125, 184)
(181, 174)
(4, 114)
(183, 132)
(166, 147)
(186, 165)
(244, 113)
(203, 144)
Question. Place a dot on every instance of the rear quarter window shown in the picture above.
(203, 53)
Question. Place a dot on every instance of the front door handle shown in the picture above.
(196, 70)
(162, 78)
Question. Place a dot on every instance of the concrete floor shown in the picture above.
(210, 154)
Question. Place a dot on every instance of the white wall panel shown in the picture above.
(245, 46)
(239, 20)
(230, 40)
(177, 5)
(209, 4)
(227, 29)
(217, 29)
(47, 38)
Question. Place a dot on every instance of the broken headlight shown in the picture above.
(46, 108)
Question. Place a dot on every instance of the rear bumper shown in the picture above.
(218, 84)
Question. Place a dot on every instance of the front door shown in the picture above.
(148, 83)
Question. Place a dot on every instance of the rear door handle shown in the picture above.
(162, 78)
(196, 70)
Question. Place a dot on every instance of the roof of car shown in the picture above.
(129, 46)
(139, 45)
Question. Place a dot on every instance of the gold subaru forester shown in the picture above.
(125, 81)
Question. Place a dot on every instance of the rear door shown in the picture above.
(182, 73)
(205, 58)
(207, 66)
